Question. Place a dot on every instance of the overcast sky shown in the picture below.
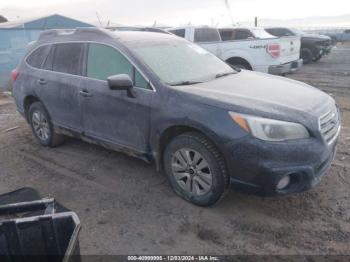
(173, 12)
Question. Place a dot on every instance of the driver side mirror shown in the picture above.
(121, 82)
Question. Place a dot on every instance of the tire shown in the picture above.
(242, 66)
(306, 55)
(318, 58)
(203, 182)
(42, 127)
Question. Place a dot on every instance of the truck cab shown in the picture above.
(313, 46)
(247, 48)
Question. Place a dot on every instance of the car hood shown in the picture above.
(316, 36)
(262, 94)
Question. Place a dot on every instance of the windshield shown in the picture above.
(181, 62)
(297, 31)
(261, 33)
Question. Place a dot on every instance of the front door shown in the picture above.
(113, 116)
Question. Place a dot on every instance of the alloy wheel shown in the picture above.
(41, 125)
(192, 172)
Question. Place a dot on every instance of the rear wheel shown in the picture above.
(195, 169)
(306, 55)
(42, 127)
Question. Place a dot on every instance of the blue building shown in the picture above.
(15, 36)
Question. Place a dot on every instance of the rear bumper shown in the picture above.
(285, 68)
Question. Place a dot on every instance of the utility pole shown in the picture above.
(228, 8)
(98, 18)
(256, 21)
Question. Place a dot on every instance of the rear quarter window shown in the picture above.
(206, 35)
(38, 57)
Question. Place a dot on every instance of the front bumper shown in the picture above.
(325, 50)
(286, 68)
(257, 167)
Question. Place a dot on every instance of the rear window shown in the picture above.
(206, 35)
(38, 57)
(68, 58)
(178, 32)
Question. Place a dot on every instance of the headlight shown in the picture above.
(269, 129)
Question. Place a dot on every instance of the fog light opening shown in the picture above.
(284, 182)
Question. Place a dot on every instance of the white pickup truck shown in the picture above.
(247, 48)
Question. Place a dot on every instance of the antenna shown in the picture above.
(228, 8)
(98, 18)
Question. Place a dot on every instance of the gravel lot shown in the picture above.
(126, 207)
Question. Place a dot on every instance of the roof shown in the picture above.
(242, 27)
(93, 33)
(54, 21)
(3, 19)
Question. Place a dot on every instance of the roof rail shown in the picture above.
(87, 31)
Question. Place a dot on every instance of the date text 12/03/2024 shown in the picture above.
(173, 258)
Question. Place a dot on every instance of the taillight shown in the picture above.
(274, 50)
(14, 74)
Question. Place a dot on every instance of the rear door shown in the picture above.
(60, 83)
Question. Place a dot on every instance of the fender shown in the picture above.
(183, 124)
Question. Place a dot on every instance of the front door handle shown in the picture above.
(42, 81)
(85, 93)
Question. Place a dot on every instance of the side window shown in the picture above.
(68, 58)
(242, 35)
(105, 61)
(140, 81)
(38, 57)
(179, 32)
(226, 35)
(206, 35)
(48, 63)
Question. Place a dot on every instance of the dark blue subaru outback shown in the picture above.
(158, 97)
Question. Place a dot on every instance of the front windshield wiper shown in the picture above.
(226, 74)
(185, 83)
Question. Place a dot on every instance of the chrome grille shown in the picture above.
(329, 125)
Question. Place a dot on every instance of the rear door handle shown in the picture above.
(85, 93)
(42, 81)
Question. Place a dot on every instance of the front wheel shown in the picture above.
(195, 169)
(306, 55)
(317, 58)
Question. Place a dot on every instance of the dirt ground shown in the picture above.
(126, 207)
